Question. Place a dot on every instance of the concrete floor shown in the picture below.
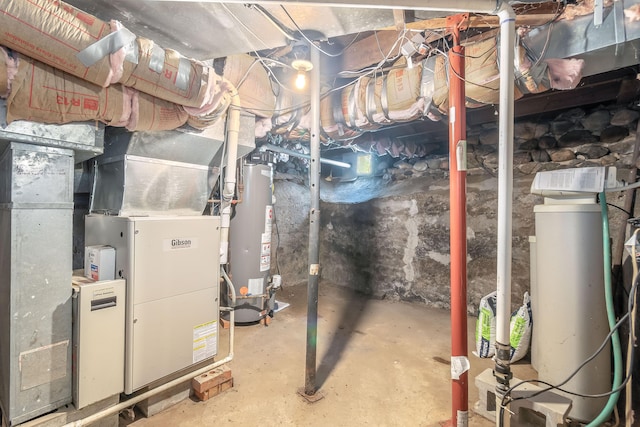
(379, 363)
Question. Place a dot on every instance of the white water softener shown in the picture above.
(568, 298)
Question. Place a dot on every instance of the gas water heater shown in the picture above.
(250, 243)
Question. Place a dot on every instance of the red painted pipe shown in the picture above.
(458, 221)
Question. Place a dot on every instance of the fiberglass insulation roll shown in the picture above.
(165, 74)
(44, 94)
(53, 32)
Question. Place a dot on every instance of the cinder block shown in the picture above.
(553, 408)
(486, 404)
(164, 400)
(211, 379)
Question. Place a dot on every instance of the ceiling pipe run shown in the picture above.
(458, 6)
(277, 149)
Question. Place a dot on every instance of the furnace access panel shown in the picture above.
(172, 269)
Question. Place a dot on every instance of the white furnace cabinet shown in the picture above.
(172, 272)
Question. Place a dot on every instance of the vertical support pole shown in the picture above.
(458, 225)
(314, 229)
(502, 368)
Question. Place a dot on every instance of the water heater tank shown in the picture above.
(570, 319)
(250, 243)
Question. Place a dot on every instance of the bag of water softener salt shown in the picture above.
(520, 330)
(486, 326)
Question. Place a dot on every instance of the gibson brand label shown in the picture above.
(179, 243)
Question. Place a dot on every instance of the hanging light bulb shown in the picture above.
(301, 80)
(302, 66)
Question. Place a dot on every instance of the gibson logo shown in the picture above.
(180, 243)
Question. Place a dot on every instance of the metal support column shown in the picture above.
(458, 221)
(314, 229)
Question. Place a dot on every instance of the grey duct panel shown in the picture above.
(139, 186)
(612, 45)
(86, 139)
(36, 176)
(35, 277)
(162, 173)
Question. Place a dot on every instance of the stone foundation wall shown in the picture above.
(393, 242)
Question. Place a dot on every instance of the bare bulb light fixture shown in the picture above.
(301, 66)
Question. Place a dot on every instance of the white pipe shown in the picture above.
(229, 186)
(462, 6)
(233, 133)
(505, 187)
(505, 171)
(232, 315)
(139, 398)
(294, 153)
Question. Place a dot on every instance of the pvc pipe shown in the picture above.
(139, 398)
(233, 133)
(505, 197)
(505, 171)
(277, 149)
(229, 186)
(458, 229)
(314, 230)
(477, 6)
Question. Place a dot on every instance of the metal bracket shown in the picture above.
(459, 21)
(311, 398)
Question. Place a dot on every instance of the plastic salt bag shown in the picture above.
(486, 326)
(520, 330)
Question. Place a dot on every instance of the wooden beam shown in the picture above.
(398, 19)
(532, 14)
(480, 21)
(372, 49)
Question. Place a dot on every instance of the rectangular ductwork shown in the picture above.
(612, 45)
(84, 138)
(162, 173)
(36, 206)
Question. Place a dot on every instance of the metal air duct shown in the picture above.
(162, 173)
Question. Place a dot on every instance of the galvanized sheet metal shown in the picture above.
(162, 173)
(612, 45)
(85, 139)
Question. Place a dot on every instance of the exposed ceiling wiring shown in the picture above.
(288, 33)
(313, 43)
(242, 24)
(386, 58)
